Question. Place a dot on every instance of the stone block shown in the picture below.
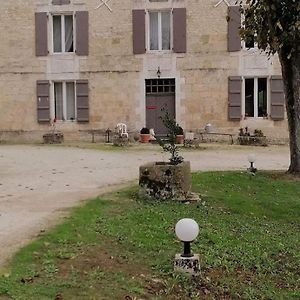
(189, 265)
(53, 138)
(164, 181)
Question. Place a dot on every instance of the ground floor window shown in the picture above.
(64, 101)
(256, 97)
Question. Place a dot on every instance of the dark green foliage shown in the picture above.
(145, 130)
(170, 145)
(275, 26)
(273, 23)
(246, 138)
(179, 130)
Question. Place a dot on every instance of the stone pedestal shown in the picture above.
(164, 181)
(120, 141)
(189, 265)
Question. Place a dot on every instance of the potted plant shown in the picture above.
(54, 136)
(145, 135)
(179, 135)
(256, 139)
(167, 180)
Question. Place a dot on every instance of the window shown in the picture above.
(64, 101)
(163, 30)
(256, 103)
(250, 42)
(159, 30)
(157, 86)
(63, 33)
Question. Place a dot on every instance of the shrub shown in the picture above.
(257, 138)
(169, 144)
(145, 130)
(179, 130)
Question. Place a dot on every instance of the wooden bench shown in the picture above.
(99, 132)
(216, 133)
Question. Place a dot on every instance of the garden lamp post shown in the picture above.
(187, 231)
(252, 159)
(107, 135)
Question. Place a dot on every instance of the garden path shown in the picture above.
(38, 184)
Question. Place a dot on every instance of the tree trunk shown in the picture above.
(291, 79)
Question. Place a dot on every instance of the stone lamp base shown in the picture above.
(189, 265)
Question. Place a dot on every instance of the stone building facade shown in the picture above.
(90, 64)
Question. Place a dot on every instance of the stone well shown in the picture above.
(164, 181)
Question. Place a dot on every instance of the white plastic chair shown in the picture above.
(122, 130)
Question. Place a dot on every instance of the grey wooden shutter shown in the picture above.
(277, 98)
(60, 2)
(43, 101)
(138, 31)
(179, 30)
(82, 100)
(41, 34)
(234, 97)
(234, 24)
(82, 33)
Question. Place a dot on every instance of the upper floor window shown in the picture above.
(63, 33)
(249, 44)
(160, 30)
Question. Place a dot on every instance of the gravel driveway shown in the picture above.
(38, 183)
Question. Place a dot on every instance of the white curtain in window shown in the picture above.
(58, 94)
(70, 101)
(153, 30)
(69, 33)
(165, 30)
(57, 47)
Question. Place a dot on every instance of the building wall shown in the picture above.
(117, 76)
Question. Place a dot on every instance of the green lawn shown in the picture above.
(120, 247)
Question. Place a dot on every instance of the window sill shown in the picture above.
(62, 54)
(250, 50)
(65, 122)
(159, 51)
(256, 118)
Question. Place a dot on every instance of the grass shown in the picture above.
(120, 247)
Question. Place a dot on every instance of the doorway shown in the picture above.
(160, 97)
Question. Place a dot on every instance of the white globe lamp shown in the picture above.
(251, 158)
(187, 231)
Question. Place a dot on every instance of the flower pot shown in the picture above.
(179, 139)
(145, 138)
